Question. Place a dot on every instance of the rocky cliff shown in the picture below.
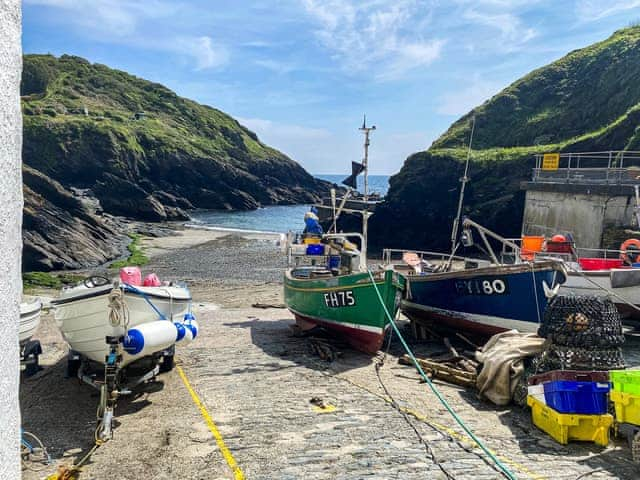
(141, 150)
(588, 100)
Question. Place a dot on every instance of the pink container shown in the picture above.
(131, 275)
(151, 280)
(599, 263)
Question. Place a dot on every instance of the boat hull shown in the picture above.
(83, 319)
(29, 320)
(347, 305)
(598, 282)
(486, 300)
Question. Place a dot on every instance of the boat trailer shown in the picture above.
(113, 384)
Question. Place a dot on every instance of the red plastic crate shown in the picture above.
(599, 263)
(569, 375)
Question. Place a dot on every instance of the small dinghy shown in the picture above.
(29, 320)
(122, 333)
(148, 319)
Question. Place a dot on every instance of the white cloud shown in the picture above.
(127, 22)
(386, 35)
(462, 100)
(270, 129)
(513, 33)
(202, 49)
(278, 67)
(590, 10)
(306, 145)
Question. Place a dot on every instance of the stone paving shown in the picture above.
(257, 380)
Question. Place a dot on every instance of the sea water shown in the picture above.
(279, 218)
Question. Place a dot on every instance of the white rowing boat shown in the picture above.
(29, 320)
(151, 316)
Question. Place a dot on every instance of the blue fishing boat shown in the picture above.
(499, 292)
(485, 300)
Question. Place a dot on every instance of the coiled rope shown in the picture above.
(118, 309)
(503, 468)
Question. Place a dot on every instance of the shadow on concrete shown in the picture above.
(62, 411)
(276, 338)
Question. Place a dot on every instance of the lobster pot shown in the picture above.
(582, 321)
(584, 332)
(150, 337)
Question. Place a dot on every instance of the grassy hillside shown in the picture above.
(574, 99)
(588, 100)
(89, 126)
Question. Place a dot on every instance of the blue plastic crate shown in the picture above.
(333, 262)
(315, 249)
(587, 398)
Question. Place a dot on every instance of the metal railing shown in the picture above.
(591, 168)
(580, 252)
(389, 255)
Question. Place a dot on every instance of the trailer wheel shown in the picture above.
(168, 362)
(73, 365)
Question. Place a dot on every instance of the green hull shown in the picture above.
(346, 304)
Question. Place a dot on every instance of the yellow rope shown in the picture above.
(226, 453)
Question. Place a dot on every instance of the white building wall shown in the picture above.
(10, 233)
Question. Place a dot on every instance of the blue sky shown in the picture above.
(301, 73)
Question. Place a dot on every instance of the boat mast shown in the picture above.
(365, 163)
(464, 180)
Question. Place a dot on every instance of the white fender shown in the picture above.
(150, 337)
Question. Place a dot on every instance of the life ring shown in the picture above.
(630, 251)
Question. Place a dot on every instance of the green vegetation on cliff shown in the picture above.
(578, 99)
(89, 126)
(136, 254)
(588, 100)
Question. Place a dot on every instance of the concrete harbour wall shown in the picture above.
(584, 212)
(10, 233)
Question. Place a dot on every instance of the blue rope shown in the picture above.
(133, 289)
(437, 393)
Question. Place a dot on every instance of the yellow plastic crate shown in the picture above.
(567, 426)
(627, 407)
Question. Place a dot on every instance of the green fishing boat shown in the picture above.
(346, 304)
(329, 283)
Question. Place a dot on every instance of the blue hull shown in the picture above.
(487, 300)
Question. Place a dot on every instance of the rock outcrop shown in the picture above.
(59, 232)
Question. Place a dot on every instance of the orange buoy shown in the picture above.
(630, 251)
(558, 238)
